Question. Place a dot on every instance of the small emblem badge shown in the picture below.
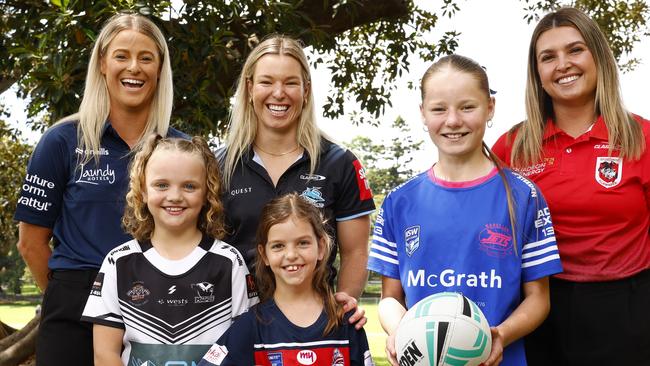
(609, 171)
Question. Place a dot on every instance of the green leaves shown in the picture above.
(365, 44)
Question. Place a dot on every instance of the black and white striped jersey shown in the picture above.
(170, 310)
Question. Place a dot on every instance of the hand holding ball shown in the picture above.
(443, 329)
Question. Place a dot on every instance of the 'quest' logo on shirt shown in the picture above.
(96, 176)
(495, 240)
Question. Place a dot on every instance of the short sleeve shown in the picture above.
(41, 195)
(383, 257)
(354, 194)
(539, 256)
(103, 306)
(244, 292)
(236, 346)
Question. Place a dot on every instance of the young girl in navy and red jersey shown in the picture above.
(165, 296)
(465, 225)
(590, 156)
(298, 320)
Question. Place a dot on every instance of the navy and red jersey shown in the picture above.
(265, 337)
(82, 204)
(600, 203)
(338, 187)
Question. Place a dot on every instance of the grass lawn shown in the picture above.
(376, 335)
(18, 314)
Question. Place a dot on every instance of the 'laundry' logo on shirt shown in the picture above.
(96, 176)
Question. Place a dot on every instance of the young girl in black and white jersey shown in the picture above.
(167, 295)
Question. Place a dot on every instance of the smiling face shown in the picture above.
(175, 190)
(278, 91)
(565, 66)
(131, 66)
(292, 251)
(455, 111)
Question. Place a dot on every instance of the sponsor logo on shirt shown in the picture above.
(96, 176)
(314, 196)
(533, 190)
(119, 249)
(216, 354)
(609, 171)
(275, 358)
(138, 294)
(495, 240)
(173, 302)
(96, 289)
(536, 168)
(364, 187)
(36, 186)
(450, 278)
(204, 291)
(412, 239)
(102, 151)
(237, 191)
(306, 357)
(251, 287)
(312, 177)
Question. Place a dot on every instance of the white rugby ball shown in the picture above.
(443, 329)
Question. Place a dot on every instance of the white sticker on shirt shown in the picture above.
(216, 354)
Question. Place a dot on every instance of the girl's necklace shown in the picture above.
(276, 154)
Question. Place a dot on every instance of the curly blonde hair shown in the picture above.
(137, 219)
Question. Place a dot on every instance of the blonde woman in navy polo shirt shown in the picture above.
(77, 179)
(589, 156)
(274, 147)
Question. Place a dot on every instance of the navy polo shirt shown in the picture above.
(338, 187)
(82, 204)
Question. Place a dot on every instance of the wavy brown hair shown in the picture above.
(277, 211)
(137, 219)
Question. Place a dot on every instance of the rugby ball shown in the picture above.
(443, 329)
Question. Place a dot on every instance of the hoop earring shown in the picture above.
(489, 123)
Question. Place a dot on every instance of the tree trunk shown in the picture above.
(19, 346)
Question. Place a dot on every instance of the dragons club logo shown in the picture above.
(609, 171)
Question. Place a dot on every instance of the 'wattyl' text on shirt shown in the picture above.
(35, 186)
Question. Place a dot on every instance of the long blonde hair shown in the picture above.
(279, 210)
(95, 104)
(468, 66)
(242, 129)
(137, 219)
(623, 131)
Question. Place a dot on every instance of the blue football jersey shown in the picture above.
(435, 237)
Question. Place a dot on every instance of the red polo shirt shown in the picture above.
(600, 205)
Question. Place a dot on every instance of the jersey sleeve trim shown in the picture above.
(103, 321)
(350, 217)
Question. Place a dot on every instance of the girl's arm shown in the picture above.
(526, 317)
(34, 247)
(391, 309)
(107, 345)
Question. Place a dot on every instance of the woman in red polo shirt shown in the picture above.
(589, 157)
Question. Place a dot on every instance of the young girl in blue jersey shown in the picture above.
(465, 225)
(167, 295)
(298, 321)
